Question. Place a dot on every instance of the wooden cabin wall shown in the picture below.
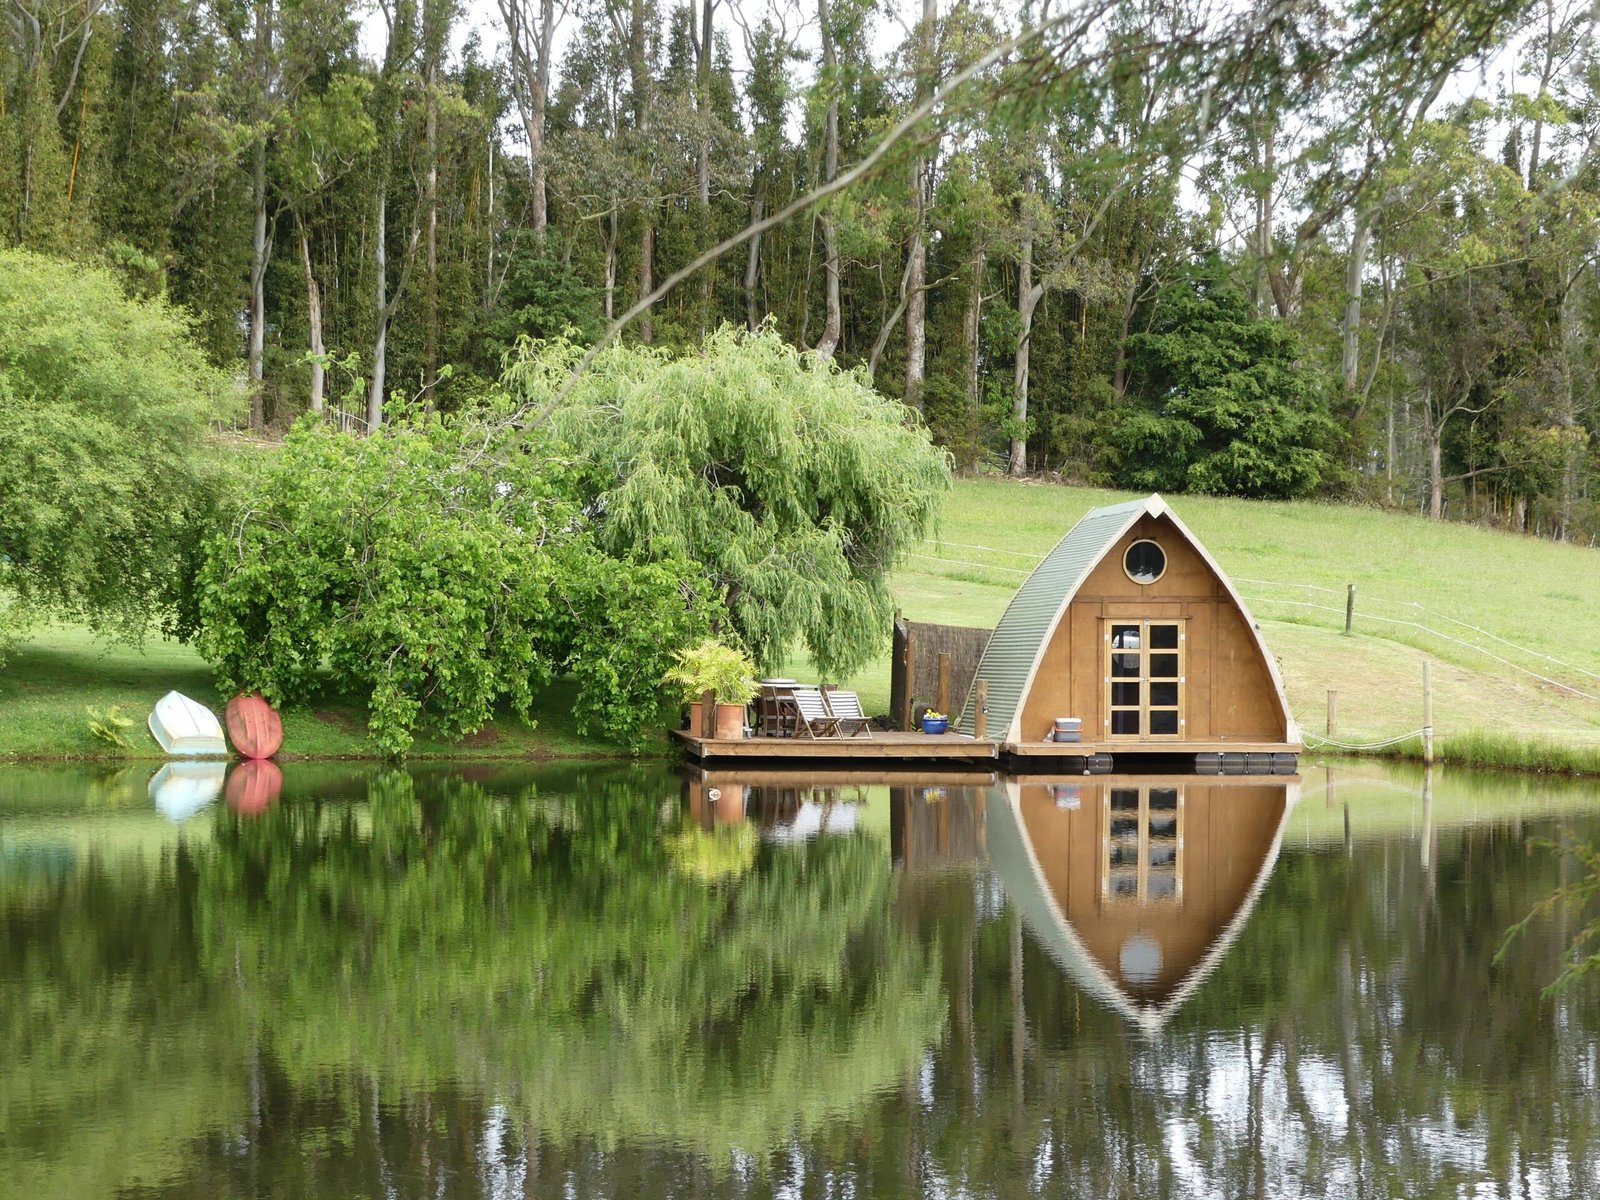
(1229, 693)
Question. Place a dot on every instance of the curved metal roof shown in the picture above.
(1015, 648)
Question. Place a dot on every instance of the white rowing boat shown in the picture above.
(186, 728)
(181, 789)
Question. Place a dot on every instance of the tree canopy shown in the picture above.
(791, 484)
(107, 471)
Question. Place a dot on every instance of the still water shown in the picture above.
(607, 981)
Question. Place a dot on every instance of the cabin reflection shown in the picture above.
(1135, 885)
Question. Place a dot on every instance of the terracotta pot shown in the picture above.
(730, 721)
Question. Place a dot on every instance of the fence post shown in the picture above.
(1333, 713)
(911, 677)
(980, 709)
(1427, 714)
(944, 684)
(1349, 608)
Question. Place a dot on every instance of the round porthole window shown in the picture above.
(1145, 562)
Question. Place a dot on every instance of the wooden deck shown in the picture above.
(882, 746)
(891, 750)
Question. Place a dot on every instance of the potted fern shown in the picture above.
(725, 671)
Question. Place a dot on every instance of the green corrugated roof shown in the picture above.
(1008, 658)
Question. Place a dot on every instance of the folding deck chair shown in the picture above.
(846, 709)
(812, 718)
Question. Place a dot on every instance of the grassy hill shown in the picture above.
(1511, 623)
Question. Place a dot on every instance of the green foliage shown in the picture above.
(106, 461)
(1224, 405)
(110, 726)
(715, 666)
(439, 574)
(714, 855)
(794, 485)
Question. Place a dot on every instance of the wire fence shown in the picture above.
(1419, 619)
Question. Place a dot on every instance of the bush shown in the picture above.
(440, 574)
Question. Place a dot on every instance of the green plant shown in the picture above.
(110, 726)
(714, 666)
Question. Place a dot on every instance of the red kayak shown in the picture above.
(253, 726)
(253, 786)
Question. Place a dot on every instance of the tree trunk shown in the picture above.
(258, 291)
(1435, 470)
(974, 326)
(611, 265)
(833, 322)
(752, 264)
(380, 341)
(431, 332)
(639, 75)
(1028, 294)
(314, 322)
(1355, 268)
(917, 268)
(540, 101)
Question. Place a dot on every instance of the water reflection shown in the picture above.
(1138, 886)
(601, 981)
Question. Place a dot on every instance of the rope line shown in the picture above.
(1506, 662)
(1309, 738)
(961, 562)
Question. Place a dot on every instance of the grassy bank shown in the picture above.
(1509, 624)
(49, 683)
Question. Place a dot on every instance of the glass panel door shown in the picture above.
(1144, 679)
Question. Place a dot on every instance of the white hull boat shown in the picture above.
(181, 789)
(185, 728)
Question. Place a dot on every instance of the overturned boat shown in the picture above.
(186, 728)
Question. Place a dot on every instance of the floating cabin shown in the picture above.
(1126, 647)
(1131, 636)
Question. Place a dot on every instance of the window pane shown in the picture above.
(1125, 855)
(1162, 886)
(1164, 694)
(1125, 637)
(1163, 799)
(1125, 666)
(1124, 800)
(1163, 666)
(1163, 637)
(1125, 720)
(1127, 694)
(1164, 826)
(1125, 887)
(1144, 562)
(1164, 720)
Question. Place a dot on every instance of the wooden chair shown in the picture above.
(811, 715)
(846, 709)
(774, 712)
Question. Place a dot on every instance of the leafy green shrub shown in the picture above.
(110, 727)
(440, 573)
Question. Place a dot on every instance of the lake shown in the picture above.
(602, 980)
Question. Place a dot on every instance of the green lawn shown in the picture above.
(1506, 609)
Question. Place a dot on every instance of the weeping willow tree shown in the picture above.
(796, 485)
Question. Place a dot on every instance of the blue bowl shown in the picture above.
(929, 725)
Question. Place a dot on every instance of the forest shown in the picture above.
(1290, 248)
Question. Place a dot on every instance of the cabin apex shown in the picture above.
(1131, 627)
